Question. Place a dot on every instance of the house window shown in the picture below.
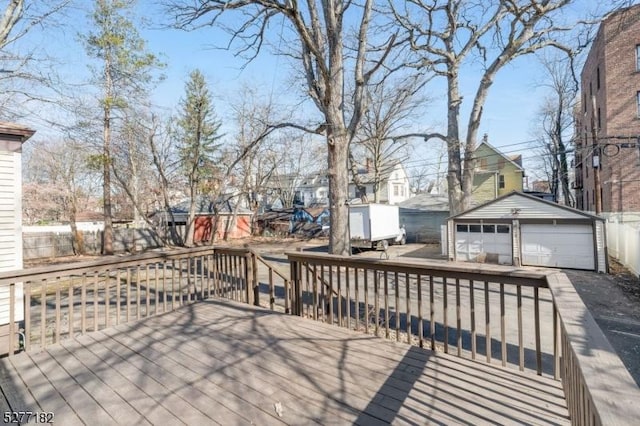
(501, 181)
(584, 101)
(500, 163)
(488, 229)
(638, 103)
(483, 163)
(502, 229)
(396, 190)
(475, 228)
(462, 228)
(598, 78)
(637, 57)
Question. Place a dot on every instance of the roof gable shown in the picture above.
(517, 205)
(508, 159)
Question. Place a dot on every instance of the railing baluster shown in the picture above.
(520, 331)
(146, 291)
(396, 291)
(420, 319)
(107, 297)
(503, 340)
(83, 304)
(445, 313)
(27, 316)
(58, 311)
(118, 296)
(180, 289)
(315, 290)
(556, 345)
(323, 295)
(12, 318)
(128, 295)
(156, 301)
(272, 291)
(472, 308)
(347, 299)
(95, 300)
(536, 312)
(407, 285)
(386, 305)
(366, 300)
(340, 307)
(308, 290)
(164, 286)
(43, 312)
(331, 320)
(357, 297)
(487, 322)
(432, 314)
(138, 304)
(458, 319)
(376, 291)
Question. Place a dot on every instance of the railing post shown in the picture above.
(249, 282)
(296, 308)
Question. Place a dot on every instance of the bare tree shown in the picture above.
(555, 124)
(59, 184)
(25, 71)
(320, 30)
(485, 37)
(392, 104)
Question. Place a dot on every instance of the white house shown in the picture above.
(393, 187)
(12, 136)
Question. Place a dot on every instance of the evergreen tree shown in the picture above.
(198, 132)
(124, 74)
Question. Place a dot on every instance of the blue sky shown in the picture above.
(510, 108)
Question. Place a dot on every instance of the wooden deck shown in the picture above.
(228, 363)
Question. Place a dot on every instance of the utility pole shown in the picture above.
(595, 155)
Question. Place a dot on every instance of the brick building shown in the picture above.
(608, 118)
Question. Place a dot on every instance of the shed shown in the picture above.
(523, 230)
(422, 216)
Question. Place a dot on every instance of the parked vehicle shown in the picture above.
(375, 226)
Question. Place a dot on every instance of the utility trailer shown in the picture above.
(375, 225)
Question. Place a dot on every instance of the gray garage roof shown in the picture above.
(517, 205)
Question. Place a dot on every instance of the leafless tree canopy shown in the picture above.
(321, 32)
(479, 38)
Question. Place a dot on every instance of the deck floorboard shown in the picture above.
(219, 362)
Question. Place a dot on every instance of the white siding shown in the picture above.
(517, 206)
(600, 247)
(10, 228)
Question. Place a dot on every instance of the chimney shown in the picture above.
(485, 138)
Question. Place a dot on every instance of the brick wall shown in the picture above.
(611, 75)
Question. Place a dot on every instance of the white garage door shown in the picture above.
(559, 246)
(485, 243)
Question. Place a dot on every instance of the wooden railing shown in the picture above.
(530, 319)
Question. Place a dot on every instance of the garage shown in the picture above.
(475, 241)
(558, 246)
(522, 230)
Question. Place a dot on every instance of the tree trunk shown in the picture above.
(190, 231)
(454, 175)
(107, 239)
(338, 155)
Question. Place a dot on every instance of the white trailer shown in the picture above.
(373, 225)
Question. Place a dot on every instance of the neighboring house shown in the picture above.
(392, 185)
(12, 136)
(219, 219)
(313, 190)
(608, 119)
(519, 229)
(423, 216)
(496, 174)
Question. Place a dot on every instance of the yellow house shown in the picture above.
(496, 174)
